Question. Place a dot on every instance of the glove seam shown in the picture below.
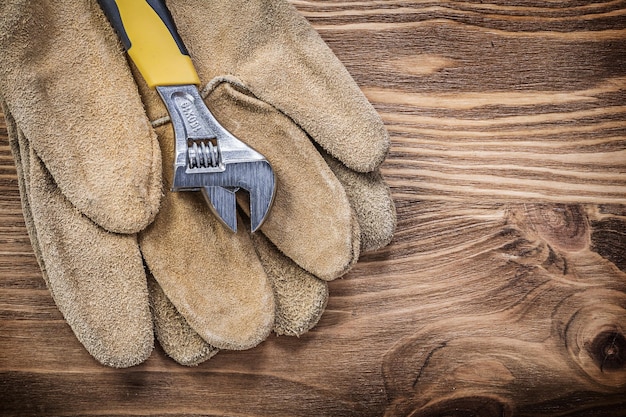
(204, 93)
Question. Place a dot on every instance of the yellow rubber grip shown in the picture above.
(153, 48)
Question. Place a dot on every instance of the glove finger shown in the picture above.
(69, 88)
(371, 200)
(22, 166)
(96, 278)
(175, 336)
(284, 62)
(300, 301)
(300, 296)
(311, 220)
(210, 274)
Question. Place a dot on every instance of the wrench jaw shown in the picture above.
(219, 190)
(223, 204)
(261, 188)
(257, 178)
(211, 160)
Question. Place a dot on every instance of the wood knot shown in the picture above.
(608, 350)
(594, 334)
(562, 226)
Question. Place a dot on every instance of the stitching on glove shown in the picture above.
(215, 82)
(204, 93)
(160, 121)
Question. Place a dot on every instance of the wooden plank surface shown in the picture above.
(504, 290)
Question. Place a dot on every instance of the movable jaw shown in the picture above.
(257, 178)
(220, 188)
(211, 160)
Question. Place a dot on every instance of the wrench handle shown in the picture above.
(149, 35)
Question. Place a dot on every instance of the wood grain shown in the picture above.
(494, 101)
(504, 290)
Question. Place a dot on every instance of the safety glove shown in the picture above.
(89, 145)
(300, 297)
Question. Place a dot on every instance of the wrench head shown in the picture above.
(210, 159)
(219, 188)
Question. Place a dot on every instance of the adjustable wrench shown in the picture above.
(208, 158)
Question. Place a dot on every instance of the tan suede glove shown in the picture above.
(89, 160)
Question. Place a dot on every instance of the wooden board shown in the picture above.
(504, 290)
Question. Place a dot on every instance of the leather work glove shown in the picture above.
(121, 254)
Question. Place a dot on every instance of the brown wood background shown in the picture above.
(504, 290)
